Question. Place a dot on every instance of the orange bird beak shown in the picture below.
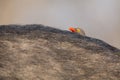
(72, 29)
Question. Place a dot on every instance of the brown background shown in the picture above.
(99, 18)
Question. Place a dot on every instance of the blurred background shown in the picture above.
(99, 18)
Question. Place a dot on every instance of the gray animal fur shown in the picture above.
(37, 52)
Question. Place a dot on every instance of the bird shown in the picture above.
(77, 30)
